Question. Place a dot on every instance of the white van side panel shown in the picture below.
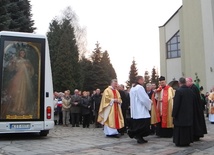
(35, 126)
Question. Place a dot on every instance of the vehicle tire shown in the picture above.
(44, 133)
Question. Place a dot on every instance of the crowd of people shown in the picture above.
(79, 108)
(140, 111)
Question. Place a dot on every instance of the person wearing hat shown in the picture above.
(164, 96)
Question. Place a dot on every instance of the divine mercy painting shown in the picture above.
(20, 80)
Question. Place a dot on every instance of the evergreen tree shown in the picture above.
(19, 12)
(154, 78)
(74, 66)
(4, 16)
(132, 74)
(64, 54)
(146, 78)
(107, 66)
(54, 40)
(67, 59)
(102, 69)
(99, 78)
(97, 54)
(86, 74)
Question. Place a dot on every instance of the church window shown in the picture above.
(173, 47)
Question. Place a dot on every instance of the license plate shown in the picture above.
(19, 126)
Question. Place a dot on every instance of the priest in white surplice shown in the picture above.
(140, 104)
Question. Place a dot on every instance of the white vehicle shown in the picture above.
(26, 89)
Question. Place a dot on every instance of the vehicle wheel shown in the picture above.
(44, 133)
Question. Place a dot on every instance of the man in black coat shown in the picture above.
(96, 99)
(85, 109)
(182, 114)
(124, 107)
(150, 92)
(199, 125)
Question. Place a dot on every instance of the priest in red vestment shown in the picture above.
(164, 97)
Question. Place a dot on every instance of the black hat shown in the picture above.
(162, 78)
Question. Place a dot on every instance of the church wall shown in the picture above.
(163, 64)
(208, 37)
(193, 40)
(173, 69)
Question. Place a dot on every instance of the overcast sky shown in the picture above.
(127, 29)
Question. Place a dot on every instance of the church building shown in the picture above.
(187, 43)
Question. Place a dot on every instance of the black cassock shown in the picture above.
(183, 116)
(199, 125)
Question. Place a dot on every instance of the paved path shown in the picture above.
(83, 141)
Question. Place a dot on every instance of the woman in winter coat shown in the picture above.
(85, 109)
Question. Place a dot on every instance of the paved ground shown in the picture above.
(78, 141)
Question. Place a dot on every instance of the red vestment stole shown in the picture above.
(116, 111)
(165, 107)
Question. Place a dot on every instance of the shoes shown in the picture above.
(152, 133)
(195, 139)
(117, 136)
(141, 141)
(113, 136)
(145, 141)
(85, 125)
(73, 125)
(184, 145)
(77, 126)
(130, 134)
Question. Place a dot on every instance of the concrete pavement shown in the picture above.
(79, 141)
